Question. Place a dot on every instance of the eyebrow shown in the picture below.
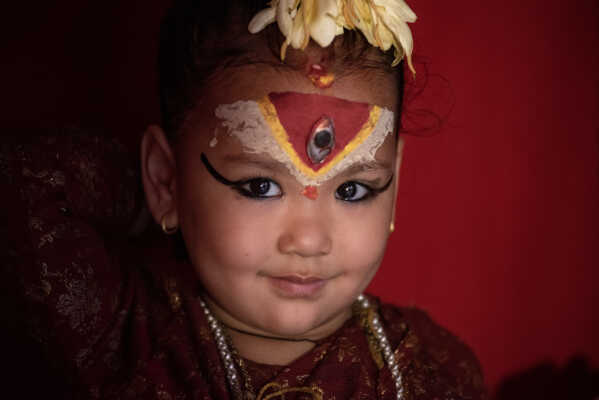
(242, 158)
(237, 158)
(276, 166)
(366, 167)
(272, 165)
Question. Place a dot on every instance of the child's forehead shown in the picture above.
(256, 80)
(232, 152)
(315, 136)
(277, 110)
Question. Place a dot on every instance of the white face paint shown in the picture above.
(257, 126)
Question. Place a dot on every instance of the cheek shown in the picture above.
(221, 232)
(362, 235)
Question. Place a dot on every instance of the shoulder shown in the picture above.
(431, 337)
(68, 199)
(436, 361)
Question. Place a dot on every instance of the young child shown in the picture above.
(276, 169)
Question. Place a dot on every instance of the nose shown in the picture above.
(306, 234)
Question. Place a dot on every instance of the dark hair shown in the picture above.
(200, 38)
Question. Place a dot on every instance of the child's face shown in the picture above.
(283, 263)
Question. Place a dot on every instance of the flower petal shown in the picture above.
(395, 15)
(261, 20)
(385, 37)
(324, 27)
(283, 16)
(297, 36)
(401, 32)
(398, 7)
(382, 22)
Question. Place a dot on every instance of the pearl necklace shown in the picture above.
(385, 346)
(231, 372)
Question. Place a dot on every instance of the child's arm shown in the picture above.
(66, 200)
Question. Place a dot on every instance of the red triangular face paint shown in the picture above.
(315, 136)
(298, 112)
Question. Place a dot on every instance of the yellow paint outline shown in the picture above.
(271, 117)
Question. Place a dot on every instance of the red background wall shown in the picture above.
(498, 221)
(498, 218)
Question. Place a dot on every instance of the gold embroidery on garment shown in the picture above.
(280, 391)
(162, 394)
(56, 178)
(248, 388)
(81, 302)
(36, 223)
(346, 350)
(365, 317)
(174, 298)
(319, 356)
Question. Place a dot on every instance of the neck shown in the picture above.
(269, 348)
(276, 338)
(266, 351)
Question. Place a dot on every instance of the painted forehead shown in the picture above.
(314, 136)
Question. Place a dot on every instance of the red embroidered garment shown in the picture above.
(119, 318)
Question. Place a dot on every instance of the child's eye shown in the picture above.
(353, 191)
(261, 188)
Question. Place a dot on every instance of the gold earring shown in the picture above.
(392, 227)
(166, 229)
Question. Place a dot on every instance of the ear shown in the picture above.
(398, 158)
(158, 169)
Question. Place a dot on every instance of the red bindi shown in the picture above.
(310, 192)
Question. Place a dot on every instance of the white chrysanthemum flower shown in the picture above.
(384, 23)
(299, 21)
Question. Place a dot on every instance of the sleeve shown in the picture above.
(67, 200)
(441, 365)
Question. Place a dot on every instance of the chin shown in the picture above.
(299, 329)
(302, 320)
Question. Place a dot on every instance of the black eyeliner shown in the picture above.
(384, 187)
(235, 185)
(372, 192)
(215, 173)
